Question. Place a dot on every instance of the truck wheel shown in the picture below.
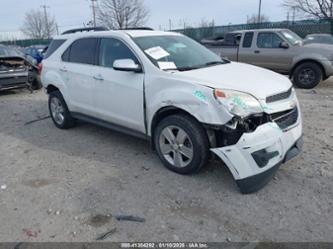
(59, 111)
(307, 75)
(181, 144)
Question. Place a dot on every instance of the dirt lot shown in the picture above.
(69, 185)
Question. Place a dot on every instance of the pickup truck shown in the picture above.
(282, 51)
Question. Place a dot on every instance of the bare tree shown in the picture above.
(119, 14)
(206, 24)
(255, 19)
(39, 25)
(322, 9)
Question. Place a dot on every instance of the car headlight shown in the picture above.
(238, 103)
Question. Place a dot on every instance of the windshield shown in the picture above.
(173, 52)
(6, 51)
(293, 38)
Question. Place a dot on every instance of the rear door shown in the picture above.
(246, 53)
(78, 69)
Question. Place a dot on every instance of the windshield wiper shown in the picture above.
(213, 63)
(208, 64)
(188, 68)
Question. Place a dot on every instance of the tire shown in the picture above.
(59, 112)
(307, 75)
(36, 85)
(34, 80)
(181, 144)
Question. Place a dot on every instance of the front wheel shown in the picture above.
(307, 75)
(181, 144)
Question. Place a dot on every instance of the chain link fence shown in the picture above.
(302, 28)
(26, 43)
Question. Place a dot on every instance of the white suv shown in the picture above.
(187, 101)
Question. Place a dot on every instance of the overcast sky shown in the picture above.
(72, 13)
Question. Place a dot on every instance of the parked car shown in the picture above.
(36, 52)
(187, 101)
(282, 51)
(13, 70)
(17, 71)
(319, 38)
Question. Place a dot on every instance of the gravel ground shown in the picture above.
(69, 185)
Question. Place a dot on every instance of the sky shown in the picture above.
(73, 13)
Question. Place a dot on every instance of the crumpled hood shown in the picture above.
(257, 81)
(12, 64)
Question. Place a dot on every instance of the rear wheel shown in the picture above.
(307, 75)
(59, 111)
(181, 144)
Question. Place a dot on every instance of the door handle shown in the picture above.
(63, 69)
(257, 52)
(98, 77)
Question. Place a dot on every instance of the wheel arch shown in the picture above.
(163, 113)
(51, 88)
(307, 61)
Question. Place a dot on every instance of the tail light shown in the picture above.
(40, 68)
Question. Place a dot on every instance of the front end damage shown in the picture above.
(14, 73)
(253, 148)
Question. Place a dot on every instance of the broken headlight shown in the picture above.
(238, 103)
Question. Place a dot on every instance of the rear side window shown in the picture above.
(112, 49)
(248, 37)
(54, 45)
(232, 40)
(82, 51)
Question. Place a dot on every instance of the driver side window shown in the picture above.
(112, 49)
(268, 40)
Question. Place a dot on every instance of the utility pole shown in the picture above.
(93, 6)
(294, 14)
(259, 12)
(170, 25)
(46, 20)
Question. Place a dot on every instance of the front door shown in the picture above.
(118, 95)
(268, 52)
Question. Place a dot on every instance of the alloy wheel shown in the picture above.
(57, 111)
(307, 76)
(176, 146)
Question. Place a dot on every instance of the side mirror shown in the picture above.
(127, 65)
(284, 45)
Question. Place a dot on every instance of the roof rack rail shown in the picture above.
(138, 28)
(72, 31)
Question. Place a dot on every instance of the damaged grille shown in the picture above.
(7, 82)
(278, 97)
(285, 119)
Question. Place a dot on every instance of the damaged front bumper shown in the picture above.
(14, 72)
(255, 158)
